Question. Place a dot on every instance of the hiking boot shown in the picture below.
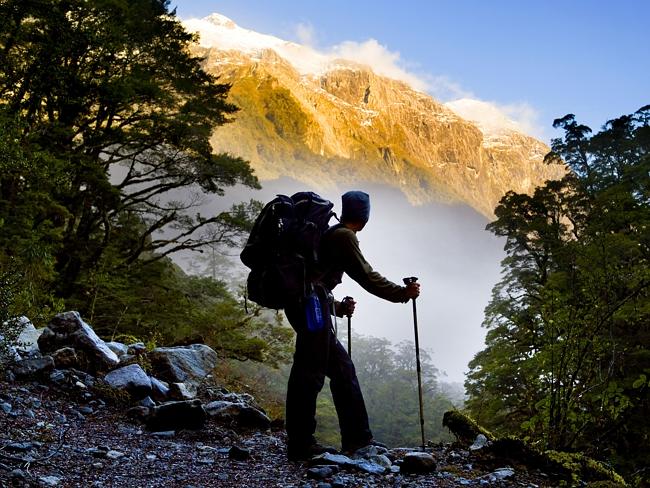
(353, 448)
(304, 452)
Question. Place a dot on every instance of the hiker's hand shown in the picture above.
(346, 307)
(413, 290)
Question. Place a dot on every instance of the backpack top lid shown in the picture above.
(288, 225)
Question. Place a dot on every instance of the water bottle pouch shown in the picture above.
(314, 313)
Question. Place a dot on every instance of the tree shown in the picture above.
(110, 93)
(387, 375)
(567, 360)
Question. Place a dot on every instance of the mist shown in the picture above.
(446, 246)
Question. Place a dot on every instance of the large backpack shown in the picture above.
(282, 249)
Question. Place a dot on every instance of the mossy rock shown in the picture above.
(571, 468)
(464, 427)
(586, 469)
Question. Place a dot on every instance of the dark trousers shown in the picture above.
(319, 354)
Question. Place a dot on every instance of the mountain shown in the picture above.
(327, 122)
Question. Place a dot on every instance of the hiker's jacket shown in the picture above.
(340, 253)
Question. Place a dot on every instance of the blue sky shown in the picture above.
(540, 60)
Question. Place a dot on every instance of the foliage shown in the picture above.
(119, 116)
(266, 383)
(9, 325)
(567, 359)
(105, 159)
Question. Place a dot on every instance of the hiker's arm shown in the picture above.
(356, 266)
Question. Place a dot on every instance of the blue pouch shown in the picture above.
(314, 312)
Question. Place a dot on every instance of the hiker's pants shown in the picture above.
(319, 354)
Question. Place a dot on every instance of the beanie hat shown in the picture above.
(356, 206)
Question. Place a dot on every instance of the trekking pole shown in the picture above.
(408, 281)
(345, 300)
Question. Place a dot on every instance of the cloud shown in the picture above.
(306, 34)
(525, 116)
(494, 118)
(381, 59)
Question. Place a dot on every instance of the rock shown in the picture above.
(330, 459)
(159, 390)
(86, 410)
(6, 407)
(50, 480)
(19, 446)
(175, 416)
(137, 348)
(243, 414)
(114, 454)
(239, 453)
(65, 358)
(118, 348)
(381, 460)
(368, 451)
(503, 473)
(132, 379)
(18, 476)
(147, 402)
(164, 434)
(98, 452)
(463, 427)
(27, 341)
(479, 443)
(418, 462)
(72, 379)
(68, 329)
(182, 391)
(368, 467)
(184, 364)
(28, 368)
(320, 472)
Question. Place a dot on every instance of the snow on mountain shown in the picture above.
(487, 116)
(219, 32)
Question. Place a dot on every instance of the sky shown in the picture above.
(535, 60)
(532, 61)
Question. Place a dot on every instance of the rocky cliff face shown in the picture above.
(346, 124)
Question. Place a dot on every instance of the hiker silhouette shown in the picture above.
(319, 353)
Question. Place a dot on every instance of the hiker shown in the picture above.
(319, 353)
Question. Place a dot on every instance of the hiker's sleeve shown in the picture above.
(356, 266)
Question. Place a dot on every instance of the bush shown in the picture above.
(9, 323)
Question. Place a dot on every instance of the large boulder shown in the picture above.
(69, 330)
(27, 341)
(28, 368)
(418, 462)
(131, 379)
(118, 348)
(183, 364)
(171, 416)
(243, 414)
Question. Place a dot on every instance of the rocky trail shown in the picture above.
(50, 437)
(66, 423)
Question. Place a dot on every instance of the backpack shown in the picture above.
(282, 249)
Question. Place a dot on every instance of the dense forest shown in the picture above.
(567, 362)
(105, 120)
